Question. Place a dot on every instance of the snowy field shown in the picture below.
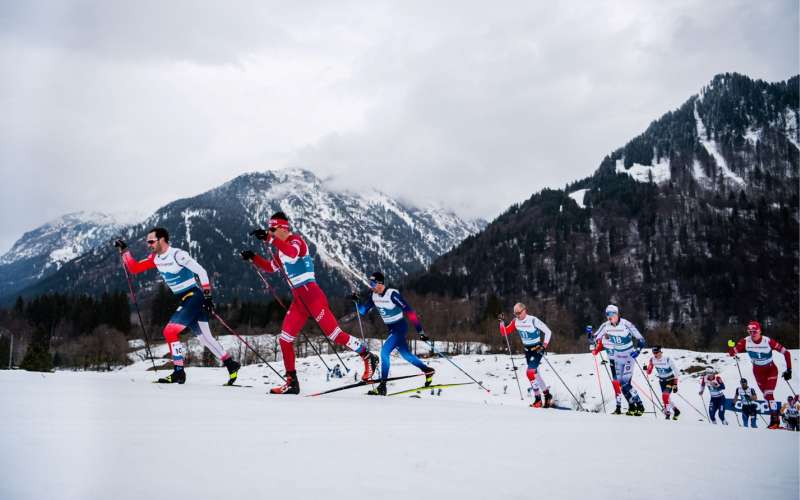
(72, 435)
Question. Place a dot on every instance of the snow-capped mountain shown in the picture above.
(42, 251)
(351, 234)
(691, 225)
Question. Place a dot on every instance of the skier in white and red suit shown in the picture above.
(293, 260)
(759, 347)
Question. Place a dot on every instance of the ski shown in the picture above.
(425, 388)
(235, 385)
(361, 383)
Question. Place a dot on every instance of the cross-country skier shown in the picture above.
(293, 259)
(619, 334)
(535, 336)
(597, 347)
(189, 282)
(759, 347)
(716, 404)
(747, 395)
(791, 414)
(393, 310)
(667, 378)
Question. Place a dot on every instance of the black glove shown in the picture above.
(501, 317)
(787, 375)
(247, 254)
(208, 302)
(604, 362)
(261, 234)
(354, 297)
(674, 388)
(120, 245)
(423, 336)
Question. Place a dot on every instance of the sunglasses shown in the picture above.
(517, 313)
(373, 283)
(150, 242)
(609, 314)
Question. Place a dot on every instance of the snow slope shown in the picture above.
(115, 435)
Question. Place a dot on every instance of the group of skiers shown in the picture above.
(288, 255)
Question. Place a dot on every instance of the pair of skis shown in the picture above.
(361, 383)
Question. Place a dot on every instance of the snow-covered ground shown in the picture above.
(72, 435)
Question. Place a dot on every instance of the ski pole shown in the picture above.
(246, 344)
(305, 306)
(360, 326)
(433, 349)
(703, 399)
(138, 313)
(278, 300)
(691, 405)
(736, 358)
(652, 391)
(544, 357)
(599, 385)
(791, 388)
(513, 365)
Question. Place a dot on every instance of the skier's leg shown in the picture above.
(202, 331)
(767, 378)
(172, 334)
(386, 354)
(402, 348)
(293, 322)
(320, 310)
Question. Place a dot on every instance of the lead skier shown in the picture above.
(535, 336)
(393, 309)
(189, 282)
(293, 259)
(759, 347)
(619, 334)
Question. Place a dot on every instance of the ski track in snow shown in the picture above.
(88, 435)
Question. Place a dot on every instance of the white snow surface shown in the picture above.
(642, 173)
(579, 196)
(88, 435)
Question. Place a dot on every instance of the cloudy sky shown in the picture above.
(126, 106)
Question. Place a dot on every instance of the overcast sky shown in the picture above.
(126, 106)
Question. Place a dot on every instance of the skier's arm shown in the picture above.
(649, 367)
(720, 383)
(598, 348)
(674, 370)
(409, 312)
(292, 247)
(740, 346)
(598, 336)
(264, 264)
(138, 266)
(363, 309)
(506, 329)
(184, 259)
(543, 328)
(776, 346)
(635, 332)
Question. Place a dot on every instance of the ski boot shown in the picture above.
(638, 409)
(378, 391)
(675, 414)
(774, 422)
(233, 370)
(178, 376)
(618, 411)
(667, 416)
(631, 410)
(370, 364)
(537, 402)
(548, 399)
(429, 376)
(291, 386)
(724, 422)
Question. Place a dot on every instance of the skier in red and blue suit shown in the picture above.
(759, 347)
(293, 259)
(189, 282)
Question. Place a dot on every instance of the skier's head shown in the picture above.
(743, 382)
(377, 281)
(710, 372)
(157, 239)
(790, 399)
(279, 225)
(612, 313)
(754, 330)
(657, 351)
(520, 310)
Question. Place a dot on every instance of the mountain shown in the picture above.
(350, 234)
(691, 226)
(42, 251)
